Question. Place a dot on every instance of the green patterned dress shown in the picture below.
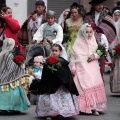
(72, 30)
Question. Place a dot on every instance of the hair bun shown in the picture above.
(75, 5)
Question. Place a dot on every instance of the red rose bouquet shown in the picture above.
(19, 59)
(52, 59)
(117, 50)
(53, 63)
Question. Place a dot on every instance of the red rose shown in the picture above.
(52, 59)
(117, 48)
(19, 58)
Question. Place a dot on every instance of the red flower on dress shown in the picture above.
(19, 58)
(52, 60)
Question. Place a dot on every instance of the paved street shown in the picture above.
(112, 112)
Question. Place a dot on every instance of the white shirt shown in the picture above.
(38, 36)
(104, 41)
(97, 15)
(37, 22)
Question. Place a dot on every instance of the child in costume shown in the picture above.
(49, 32)
(57, 87)
(85, 69)
(36, 71)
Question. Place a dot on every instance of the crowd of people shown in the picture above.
(61, 63)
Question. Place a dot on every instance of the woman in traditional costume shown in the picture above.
(85, 69)
(73, 25)
(114, 47)
(63, 17)
(13, 81)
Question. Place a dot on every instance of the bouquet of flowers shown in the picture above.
(19, 59)
(53, 63)
(117, 50)
(101, 51)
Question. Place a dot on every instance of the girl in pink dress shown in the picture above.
(87, 77)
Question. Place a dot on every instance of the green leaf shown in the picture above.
(99, 52)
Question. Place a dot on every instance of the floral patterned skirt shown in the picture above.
(60, 103)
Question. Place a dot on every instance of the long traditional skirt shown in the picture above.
(60, 103)
(115, 78)
(14, 99)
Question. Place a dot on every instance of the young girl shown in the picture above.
(86, 73)
(56, 88)
(36, 71)
(116, 16)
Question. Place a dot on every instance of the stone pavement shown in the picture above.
(112, 112)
